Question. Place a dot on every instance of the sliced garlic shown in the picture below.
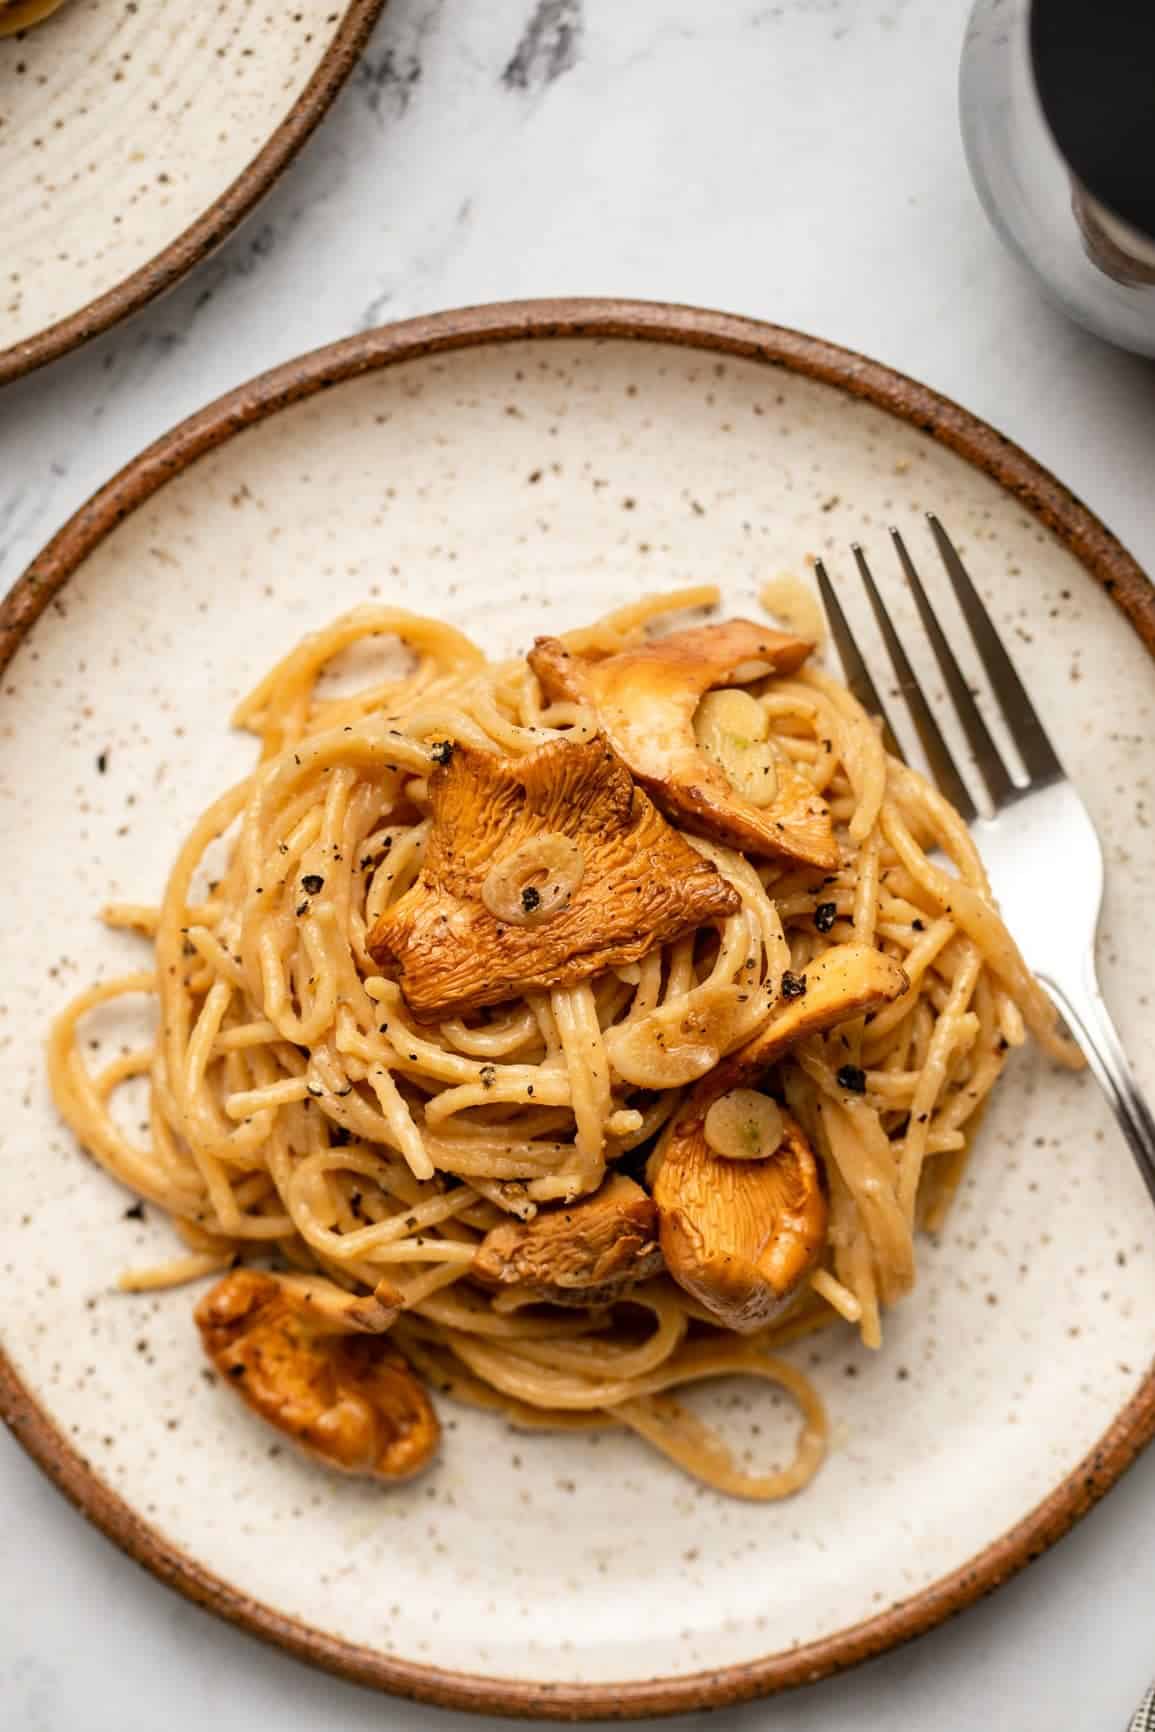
(744, 1126)
(536, 881)
(731, 727)
(679, 1042)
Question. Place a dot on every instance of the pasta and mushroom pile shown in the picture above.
(555, 1033)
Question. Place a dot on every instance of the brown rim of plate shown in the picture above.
(214, 225)
(1036, 491)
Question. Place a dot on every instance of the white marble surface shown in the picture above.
(798, 161)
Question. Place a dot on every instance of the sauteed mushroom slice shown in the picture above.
(23, 14)
(587, 1253)
(315, 1363)
(739, 1234)
(701, 752)
(845, 981)
(539, 871)
(739, 1192)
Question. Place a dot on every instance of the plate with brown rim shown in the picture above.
(134, 138)
(515, 468)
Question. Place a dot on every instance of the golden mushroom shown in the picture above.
(699, 747)
(539, 872)
(741, 1205)
(587, 1253)
(23, 14)
(846, 980)
(314, 1362)
(739, 1234)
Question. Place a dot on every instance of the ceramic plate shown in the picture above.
(519, 469)
(133, 138)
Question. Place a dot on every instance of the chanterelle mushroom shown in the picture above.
(539, 872)
(23, 14)
(585, 1254)
(711, 779)
(844, 981)
(321, 1371)
(741, 1233)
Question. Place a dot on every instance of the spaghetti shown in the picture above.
(299, 1110)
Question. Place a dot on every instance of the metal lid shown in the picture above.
(1094, 64)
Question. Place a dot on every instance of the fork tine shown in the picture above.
(857, 673)
(942, 765)
(1018, 711)
(994, 772)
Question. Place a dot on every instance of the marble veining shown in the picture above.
(391, 67)
(549, 45)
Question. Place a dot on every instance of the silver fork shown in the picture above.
(1040, 846)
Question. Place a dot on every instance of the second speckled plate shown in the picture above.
(515, 469)
(133, 139)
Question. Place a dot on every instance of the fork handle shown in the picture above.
(1090, 1022)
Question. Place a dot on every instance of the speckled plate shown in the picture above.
(135, 136)
(517, 468)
